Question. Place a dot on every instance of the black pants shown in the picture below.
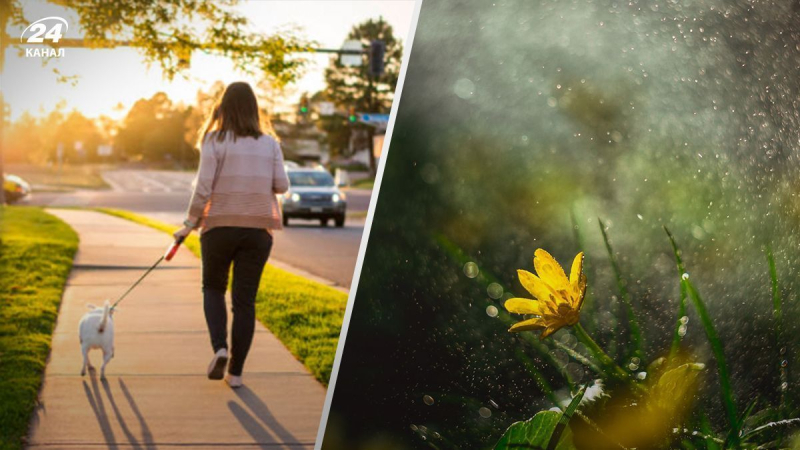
(247, 249)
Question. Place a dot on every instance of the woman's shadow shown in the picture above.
(96, 400)
(259, 422)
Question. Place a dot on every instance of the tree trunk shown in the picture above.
(3, 45)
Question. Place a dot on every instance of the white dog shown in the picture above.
(97, 331)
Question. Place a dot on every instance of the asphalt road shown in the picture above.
(328, 252)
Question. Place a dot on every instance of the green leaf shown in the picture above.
(535, 433)
(637, 339)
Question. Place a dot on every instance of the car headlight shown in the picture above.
(295, 197)
(335, 198)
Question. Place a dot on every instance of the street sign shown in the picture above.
(326, 108)
(351, 60)
(374, 119)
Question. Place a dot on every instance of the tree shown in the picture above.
(349, 86)
(167, 32)
(352, 87)
(154, 130)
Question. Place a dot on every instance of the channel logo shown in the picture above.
(50, 29)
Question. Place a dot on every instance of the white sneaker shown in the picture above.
(233, 381)
(217, 367)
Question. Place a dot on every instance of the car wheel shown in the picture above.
(323, 222)
(285, 220)
(340, 221)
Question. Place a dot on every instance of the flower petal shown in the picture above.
(536, 286)
(524, 306)
(528, 325)
(549, 270)
(580, 292)
(550, 330)
(577, 270)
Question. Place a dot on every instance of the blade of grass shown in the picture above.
(716, 345)
(777, 314)
(637, 341)
(578, 357)
(676, 337)
(565, 418)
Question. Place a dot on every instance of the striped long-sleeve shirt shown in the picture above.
(237, 181)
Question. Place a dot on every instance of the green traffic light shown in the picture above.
(352, 118)
(303, 109)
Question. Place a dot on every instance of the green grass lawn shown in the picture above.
(305, 315)
(36, 251)
(69, 177)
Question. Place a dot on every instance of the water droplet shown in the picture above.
(464, 88)
(569, 340)
(427, 399)
(574, 371)
(485, 412)
(560, 356)
(494, 290)
(471, 270)
(491, 311)
(685, 276)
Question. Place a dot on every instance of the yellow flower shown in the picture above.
(558, 299)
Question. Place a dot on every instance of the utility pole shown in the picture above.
(3, 44)
(373, 170)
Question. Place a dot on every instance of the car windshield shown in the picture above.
(309, 178)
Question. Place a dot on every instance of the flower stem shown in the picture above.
(598, 353)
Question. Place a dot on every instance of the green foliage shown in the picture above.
(36, 251)
(160, 31)
(716, 345)
(535, 433)
(305, 315)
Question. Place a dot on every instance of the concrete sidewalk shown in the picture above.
(156, 393)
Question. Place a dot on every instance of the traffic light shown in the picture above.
(303, 106)
(377, 49)
(352, 116)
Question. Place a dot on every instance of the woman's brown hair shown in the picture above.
(237, 113)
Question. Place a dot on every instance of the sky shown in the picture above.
(107, 78)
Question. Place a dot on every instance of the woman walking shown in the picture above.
(234, 205)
